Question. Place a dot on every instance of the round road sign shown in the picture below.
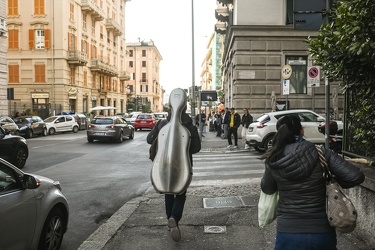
(286, 71)
(313, 72)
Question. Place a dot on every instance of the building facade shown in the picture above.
(3, 61)
(143, 88)
(66, 55)
(260, 38)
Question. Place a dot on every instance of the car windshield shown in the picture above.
(103, 121)
(22, 120)
(160, 115)
(144, 117)
(50, 119)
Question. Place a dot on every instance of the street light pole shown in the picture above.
(327, 89)
(193, 64)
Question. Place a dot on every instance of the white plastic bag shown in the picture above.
(267, 208)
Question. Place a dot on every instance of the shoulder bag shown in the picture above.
(267, 208)
(341, 212)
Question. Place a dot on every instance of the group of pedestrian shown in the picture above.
(290, 164)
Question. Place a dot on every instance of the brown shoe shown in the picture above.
(175, 231)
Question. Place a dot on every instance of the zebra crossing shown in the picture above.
(219, 168)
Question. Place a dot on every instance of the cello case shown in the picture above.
(171, 172)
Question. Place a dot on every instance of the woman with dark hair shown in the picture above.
(245, 122)
(292, 167)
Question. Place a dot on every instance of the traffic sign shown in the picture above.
(286, 84)
(313, 77)
(286, 72)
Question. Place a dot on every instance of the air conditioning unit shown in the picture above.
(3, 26)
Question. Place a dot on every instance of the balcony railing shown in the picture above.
(112, 25)
(90, 7)
(103, 68)
(124, 76)
(76, 57)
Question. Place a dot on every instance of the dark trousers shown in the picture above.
(174, 205)
(232, 130)
(318, 241)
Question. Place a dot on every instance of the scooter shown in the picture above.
(335, 138)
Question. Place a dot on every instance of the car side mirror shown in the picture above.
(30, 182)
(320, 119)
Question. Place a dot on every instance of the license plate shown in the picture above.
(99, 133)
(143, 121)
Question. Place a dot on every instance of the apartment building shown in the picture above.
(143, 88)
(259, 39)
(66, 55)
(3, 60)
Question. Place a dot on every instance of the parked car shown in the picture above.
(161, 115)
(31, 125)
(131, 117)
(145, 120)
(61, 123)
(8, 124)
(82, 121)
(260, 133)
(13, 148)
(33, 213)
(109, 128)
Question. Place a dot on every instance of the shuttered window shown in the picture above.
(13, 39)
(39, 7)
(12, 7)
(13, 71)
(40, 74)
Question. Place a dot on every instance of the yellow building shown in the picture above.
(143, 88)
(66, 55)
(3, 61)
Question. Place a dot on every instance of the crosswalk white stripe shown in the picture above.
(224, 173)
(196, 183)
(228, 165)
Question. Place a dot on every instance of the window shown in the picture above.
(13, 71)
(40, 74)
(8, 180)
(12, 7)
(130, 53)
(143, 52)
(144, 77)
(94, 53)
(38, 7)
(72, 42)
(298, 79)
(130, 64)
(289, 11)
(39, 39)
(101, 32)
(85, 78)
(72, 12)
(144, 64)
(84, 20)
(13, 39)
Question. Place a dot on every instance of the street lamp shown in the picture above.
(193, 64)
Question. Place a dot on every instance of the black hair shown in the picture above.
(287, 127)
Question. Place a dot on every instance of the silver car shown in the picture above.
(109, 128)
(33, 212)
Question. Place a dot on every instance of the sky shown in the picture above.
(169, 24)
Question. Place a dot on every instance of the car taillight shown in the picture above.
(112, 126)
(91, 126)
(261, 125)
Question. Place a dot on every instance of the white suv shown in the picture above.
(260, 133)
(61, 123)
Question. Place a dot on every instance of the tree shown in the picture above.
(345, 48)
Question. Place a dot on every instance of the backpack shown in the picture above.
(154, 145)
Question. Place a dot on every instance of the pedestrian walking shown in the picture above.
(234, 123)
(201, 122)
(219, 120)
(245, 122)
(226, 117)
(292, 167)
(174, 204)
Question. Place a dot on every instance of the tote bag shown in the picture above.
(267, 208)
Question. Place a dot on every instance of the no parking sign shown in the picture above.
(313, 77)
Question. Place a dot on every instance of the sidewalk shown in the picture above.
(232, 224)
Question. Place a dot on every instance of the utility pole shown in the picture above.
(327, 90)
(193, 63)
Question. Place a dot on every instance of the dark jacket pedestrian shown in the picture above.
(292, 167)
(246, 120)
(174, 204)
(234, 123)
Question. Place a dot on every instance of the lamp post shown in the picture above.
(193, 64)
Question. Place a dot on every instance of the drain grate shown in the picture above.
(215, 229)
(219, 202)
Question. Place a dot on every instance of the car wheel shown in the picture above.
(20, 157)
(131, 135)
(53, 230)
(120, 139)
(89, 139)
(267, 143)
(30, 134)
(51, 131)
(44, 132)
(75, 129)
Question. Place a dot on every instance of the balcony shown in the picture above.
(112, 25)
(222, 14)
(124, 76)
(90, 7)
(77, 58)
(103, 68)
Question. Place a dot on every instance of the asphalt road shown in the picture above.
(97, 178)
